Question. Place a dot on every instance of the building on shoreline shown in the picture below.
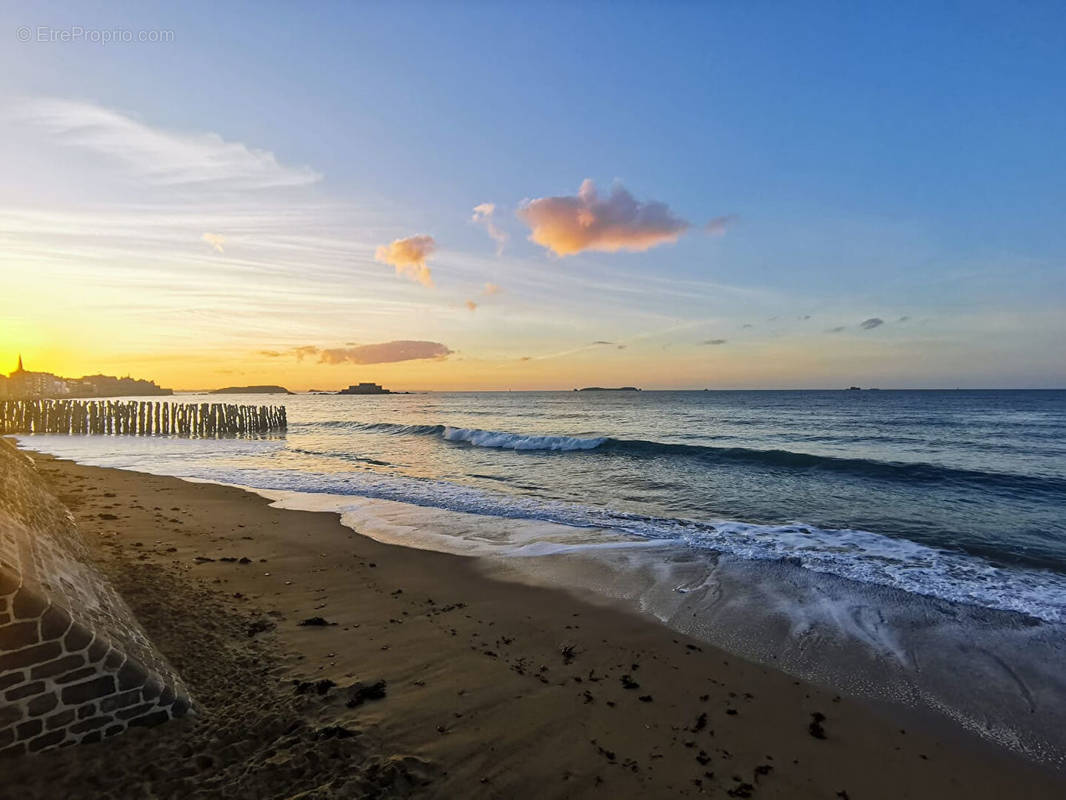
(25, 383)
(29, 385)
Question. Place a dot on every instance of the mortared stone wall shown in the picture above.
(75, 666)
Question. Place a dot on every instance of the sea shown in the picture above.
(906, 546)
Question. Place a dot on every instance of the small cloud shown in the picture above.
(304, 351)
(409, 256)
(601, 341)
(491, 289)
(837, 329)
(719, 225)
(216, 240)
(270, 353)
(903, 319)
(384, 353)
(526, 358)
(747, 325)
(715, 341)
(570, 224)
(622, 346)
(871, 323)
(471, 305)
(483, 215)
(804, 318)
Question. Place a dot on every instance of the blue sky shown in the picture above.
(884, 162)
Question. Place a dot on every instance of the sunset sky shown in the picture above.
(523, 196)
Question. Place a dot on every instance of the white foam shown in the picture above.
(861, 556)
(518, 441)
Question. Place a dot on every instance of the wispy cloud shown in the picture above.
(716, 341)
(216, 240)
(483, 215)
(471, 305)
(491, 289)
(158, 156)
(409, 256)
(871, 323)
(837, 329)
(571, 224)
(719, 225)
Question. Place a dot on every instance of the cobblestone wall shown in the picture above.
(75, 665)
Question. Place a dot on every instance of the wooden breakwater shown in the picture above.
(138, 418)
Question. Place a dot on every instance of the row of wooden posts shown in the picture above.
(138, 417)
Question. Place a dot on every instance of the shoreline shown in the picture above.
(538, 674)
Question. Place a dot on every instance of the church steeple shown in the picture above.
(20, 364)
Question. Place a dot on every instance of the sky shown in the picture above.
(535, 195)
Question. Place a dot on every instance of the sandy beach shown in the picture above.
(325, 664)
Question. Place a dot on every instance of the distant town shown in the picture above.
(24, 384)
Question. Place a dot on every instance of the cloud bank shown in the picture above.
(409, 256)
(569, 225)
(157, 156)
(384, 353)
(381, 353)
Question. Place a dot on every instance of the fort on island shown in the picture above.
(365, 388)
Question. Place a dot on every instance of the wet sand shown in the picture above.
(325, 664)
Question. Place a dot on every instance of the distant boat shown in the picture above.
(608, 389)
(854, 388)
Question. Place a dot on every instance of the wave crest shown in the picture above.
(518, 441)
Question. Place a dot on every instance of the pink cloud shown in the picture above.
(384, 352)
(569, 225)
(409, 256)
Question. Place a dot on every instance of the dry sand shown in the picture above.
(491, 689)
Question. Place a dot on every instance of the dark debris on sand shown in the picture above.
(316, 622)
(815, 728)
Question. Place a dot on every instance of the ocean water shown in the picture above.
(893, 524)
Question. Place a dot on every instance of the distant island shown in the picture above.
(267, 389)
(608, 389)
(365, 388)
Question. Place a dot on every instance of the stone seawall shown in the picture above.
(75, 666)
